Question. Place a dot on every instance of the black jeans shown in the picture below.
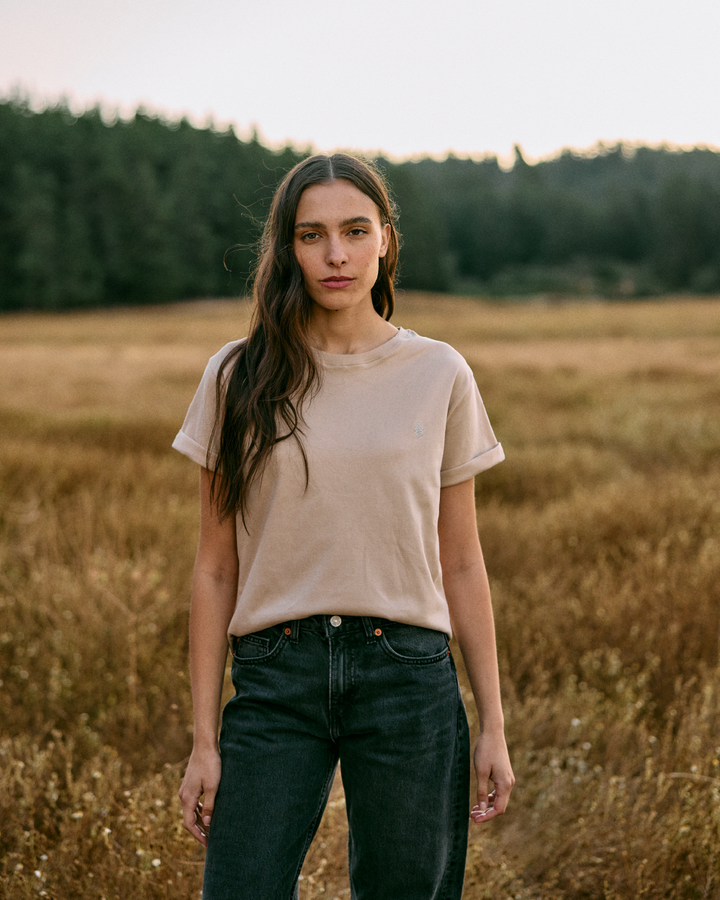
(383, 699)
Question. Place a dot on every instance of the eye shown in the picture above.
(309, 236)
(355, 232)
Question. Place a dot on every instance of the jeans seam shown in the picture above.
(315, 822)
(456, 850)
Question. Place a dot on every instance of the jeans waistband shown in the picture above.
(328, 626)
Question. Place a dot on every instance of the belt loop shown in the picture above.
(369, 631)
(294, 631)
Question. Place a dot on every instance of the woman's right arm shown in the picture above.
(214, 592)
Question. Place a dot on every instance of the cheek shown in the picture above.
(370, 258)
(373, 265)
(304, 260)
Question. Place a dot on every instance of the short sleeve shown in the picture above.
(470, 443)
(193, 439)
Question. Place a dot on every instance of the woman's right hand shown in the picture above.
(214, 595)
(202, 778)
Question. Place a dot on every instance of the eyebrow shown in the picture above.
(354, 221)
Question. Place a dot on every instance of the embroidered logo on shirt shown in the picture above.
(419, 430)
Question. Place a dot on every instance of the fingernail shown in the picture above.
(483, 806)
(206, 820)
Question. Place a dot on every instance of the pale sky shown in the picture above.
(402, 76)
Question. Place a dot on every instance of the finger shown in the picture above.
(484, 809)
(188, 800)
(207, 807)
(485, 804)
(484, 798)
(192, 815)
(200, 824)
(501, 802)
(481, 817)
(497, 804)
(482, 790)
(503, 789)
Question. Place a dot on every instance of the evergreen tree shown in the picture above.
(147, 211)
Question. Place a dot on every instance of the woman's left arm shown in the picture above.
(468, 596)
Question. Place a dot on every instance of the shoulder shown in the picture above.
(217, 359)
(438, 355)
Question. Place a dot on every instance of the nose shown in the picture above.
(336, 253)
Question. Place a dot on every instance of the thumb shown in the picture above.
(482, 794)
(483, 777)
(207, 807)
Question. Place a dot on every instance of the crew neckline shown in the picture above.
(359, 359)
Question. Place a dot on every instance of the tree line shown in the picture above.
(145, 210)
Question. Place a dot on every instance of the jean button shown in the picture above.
(335, 621)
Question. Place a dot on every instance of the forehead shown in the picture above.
(334, 200)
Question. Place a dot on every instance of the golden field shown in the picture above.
(602, 537)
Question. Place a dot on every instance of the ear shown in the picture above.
(385, 240)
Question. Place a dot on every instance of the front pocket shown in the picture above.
(260, 646)
(414, 645)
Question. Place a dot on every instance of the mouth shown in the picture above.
(337, 281)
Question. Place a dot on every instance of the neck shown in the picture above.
(345, 331)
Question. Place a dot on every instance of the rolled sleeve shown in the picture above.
(470, 443)
(194, 451)
(194, 438)
(485, 460)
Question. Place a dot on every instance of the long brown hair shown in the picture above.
(263, 382)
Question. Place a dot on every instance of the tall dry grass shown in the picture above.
(602, 535)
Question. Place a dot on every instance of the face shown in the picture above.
(338, 243)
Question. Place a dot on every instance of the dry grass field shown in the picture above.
(602, 536)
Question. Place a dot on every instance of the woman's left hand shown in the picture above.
(492, 763)
(468, 597)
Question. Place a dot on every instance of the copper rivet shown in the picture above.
(378, 631)
(288, 631)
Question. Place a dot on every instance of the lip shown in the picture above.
(337, 281)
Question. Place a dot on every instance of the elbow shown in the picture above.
(221, 573)
(459, 566)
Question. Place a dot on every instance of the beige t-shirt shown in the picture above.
(387, 429)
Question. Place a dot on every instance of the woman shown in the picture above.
(338, 551)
